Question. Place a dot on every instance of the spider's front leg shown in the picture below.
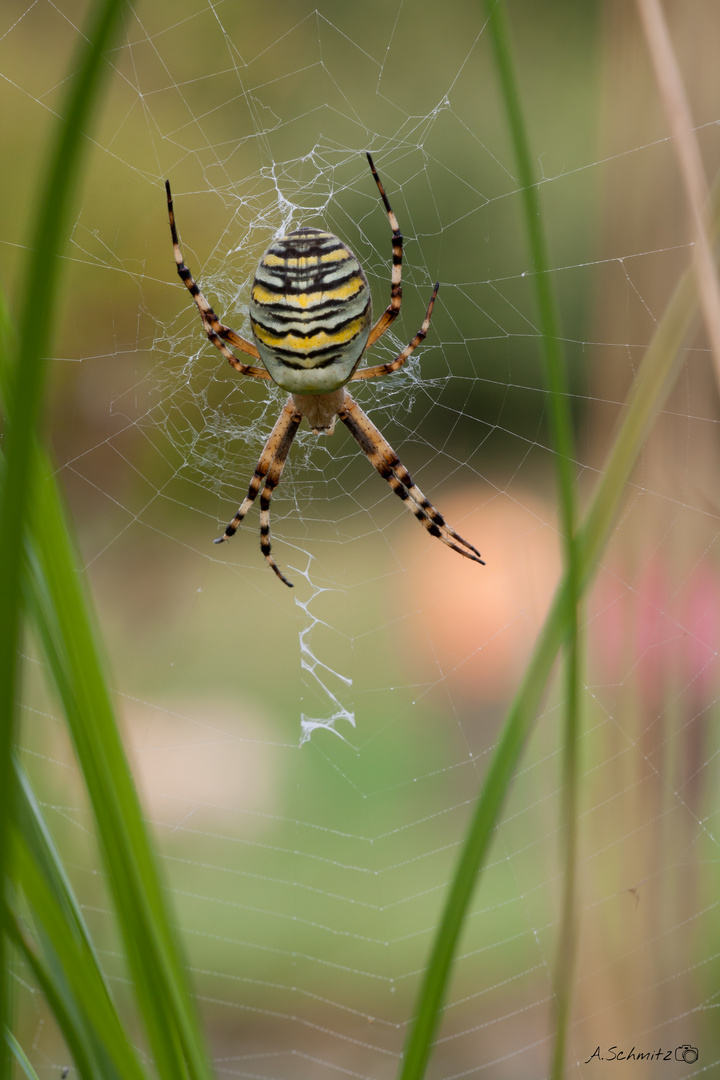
(393, 309)
(387, 369)
(215, 330)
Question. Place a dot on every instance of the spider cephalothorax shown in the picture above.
(311, 317)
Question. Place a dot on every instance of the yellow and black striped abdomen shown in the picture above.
(310, 311)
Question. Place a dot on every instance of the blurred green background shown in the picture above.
(307, 879)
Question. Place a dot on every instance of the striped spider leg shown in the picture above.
(393, 309)
(381, 454)
(311, 319)
(215, 330)
(269, 468)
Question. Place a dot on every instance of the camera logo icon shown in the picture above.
(686, 1053)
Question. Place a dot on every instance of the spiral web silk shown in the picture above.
(309, 869)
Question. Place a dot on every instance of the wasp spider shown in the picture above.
(311, 315)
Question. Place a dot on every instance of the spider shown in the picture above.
(311, 315)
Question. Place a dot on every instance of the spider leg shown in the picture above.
(391, 312)
(272, 481)
(215, 330)
(378, 450)
(386, 369)
(268, 468)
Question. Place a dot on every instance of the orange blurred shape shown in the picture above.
(480, 622)
(206, 762)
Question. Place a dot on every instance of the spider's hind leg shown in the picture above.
(269, 468)
(378, 450)
(273, 479)
(421, 505)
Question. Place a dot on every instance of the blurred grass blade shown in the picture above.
(153, 953)
(657, 375)
(62, 1007)
(561, 424)
(19, 1054)
(67, 634)
(69, 959)
(57, 603)
(677, 109)
(65, 629)
(25, 388)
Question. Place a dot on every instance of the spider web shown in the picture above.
(309, 759)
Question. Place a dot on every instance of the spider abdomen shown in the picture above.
(310, 311)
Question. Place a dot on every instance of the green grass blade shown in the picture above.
(69, 958)
(26, 388)
(62, 1006)
(68, 638)
(164, 1002)
(61, 615)
(19, 1054)
(560, 413)
(65, 629)
(562, 431)
(657, 375)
